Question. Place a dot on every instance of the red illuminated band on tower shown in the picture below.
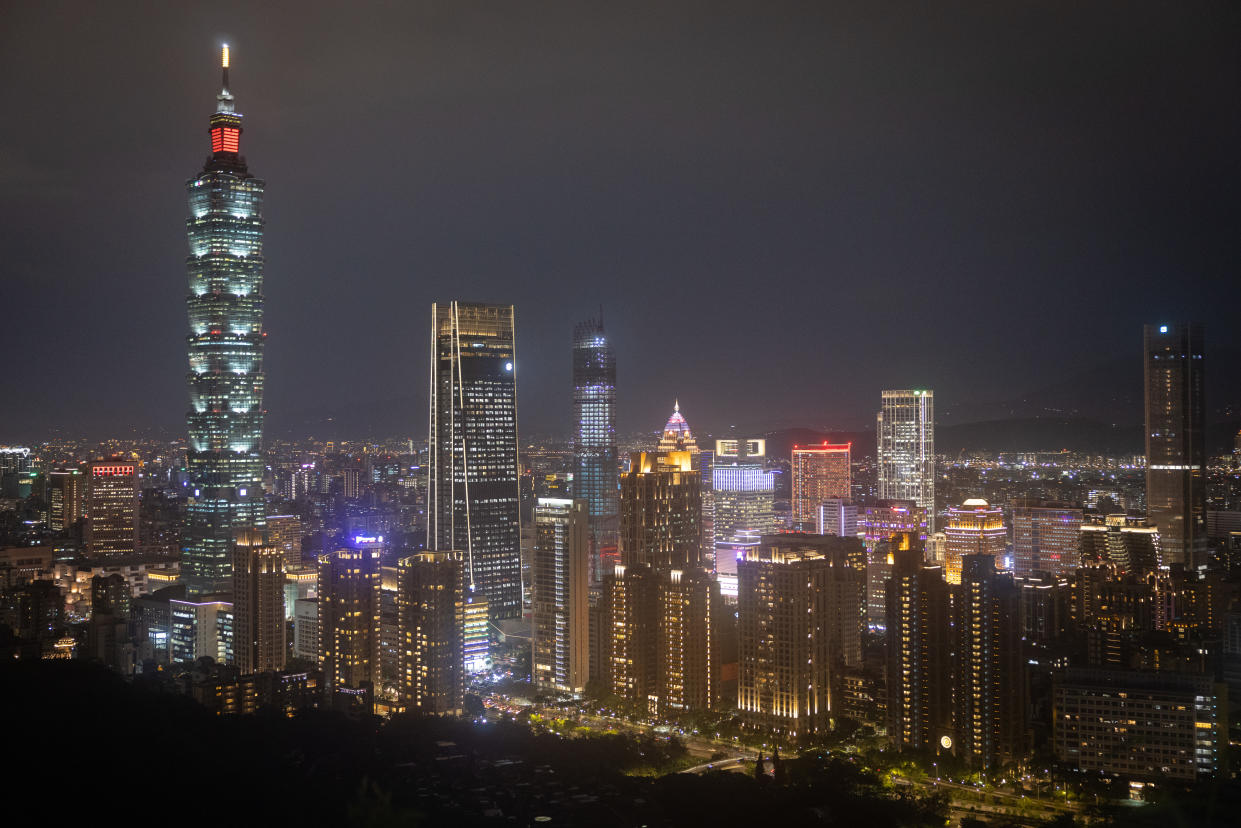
(225, 139)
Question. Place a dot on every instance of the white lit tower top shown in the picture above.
(225, 344)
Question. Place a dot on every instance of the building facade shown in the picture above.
(225, 305)
(1046, 538)
(560, 587)
(260, 637)
(1176, 440)
(905, 429)
(111, 509)
(431, 625)
(820, 473)
(473, 498)
(594, 445)
(973, 528)
(348, 613)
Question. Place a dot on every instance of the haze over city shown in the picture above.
(781, 207)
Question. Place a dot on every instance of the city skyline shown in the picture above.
(1071, 210)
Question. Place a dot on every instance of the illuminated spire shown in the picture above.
(225, 98)
(677, 436)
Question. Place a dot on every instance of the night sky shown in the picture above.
(781, 207)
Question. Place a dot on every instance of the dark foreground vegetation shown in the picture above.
(83, 741)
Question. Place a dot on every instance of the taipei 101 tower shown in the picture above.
(225, 344)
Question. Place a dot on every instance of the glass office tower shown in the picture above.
(472, 500)
(905, 430)
(225, 305)
(596, 475)
(1176, 440)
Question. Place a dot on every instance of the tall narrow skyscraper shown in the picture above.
(905, 430)
(1176, 440)
(595, 477)
(473, 500)
(225, 305)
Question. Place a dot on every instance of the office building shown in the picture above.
(820, 473)
(594, 444)
(743, 491)
(660, 503)
(677, 435)
(973, 528)
(111, 509)
(431, 611)
(1176, 440)
(225, 307)
(199, 628)
(306, 629)
(1046, 538)
(472, 501)
(1144, 725)
(560, 595)
(285, 532)
(259, 628)
(348, 610)
(905, 429)
(837, 517)
(801, 611)
(66, 498)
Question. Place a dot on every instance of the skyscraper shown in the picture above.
(905, 429)
(973, 528)
(473, 500)
(112, 509)
(594, 443)
(819, 473)
(880, 523)
(259, 629)
(431, 625)
(559, 595)
(800, 615)
(349, 607)
(660, 600)
(1176, 440)
(225, 305)
(919, 654)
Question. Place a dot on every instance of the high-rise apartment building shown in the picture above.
(973, 528)
(259, 628)
(111, 508)
(560, 586)
(225, 306)
(905, 429)
(660, 504)
(989, 681)
(594, 441)
(66, 498)
(878, 523)
(1046, 538)
(473, 500)
(660, 600)
(919, 652)
(431, 613)
(1176, 440)
(348, 612)
(820, 473)
(801, 612)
